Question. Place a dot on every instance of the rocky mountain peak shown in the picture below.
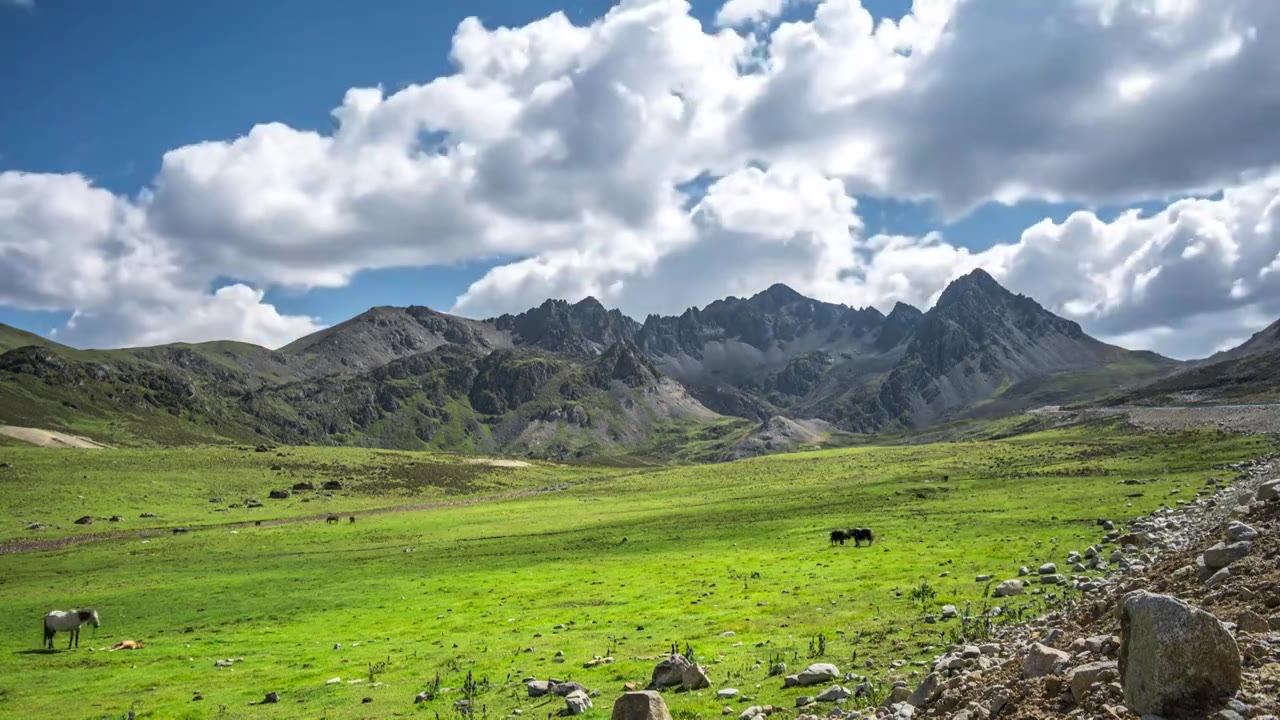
(583, 328)
(623, 361)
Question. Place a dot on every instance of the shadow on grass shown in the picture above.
(40, 651)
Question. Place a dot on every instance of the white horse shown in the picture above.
(68, 621)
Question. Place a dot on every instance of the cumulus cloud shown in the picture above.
(569, 150)
(67, 245)
(740, 12)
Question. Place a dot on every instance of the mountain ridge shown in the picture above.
(777, 358)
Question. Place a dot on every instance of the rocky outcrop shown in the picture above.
(669, 672)
(1173, 656)
(640, 705)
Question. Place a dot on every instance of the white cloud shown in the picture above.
(66, 245)
(741, 12)
(28, 5)
(565, 146)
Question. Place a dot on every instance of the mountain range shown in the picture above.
(738, 377)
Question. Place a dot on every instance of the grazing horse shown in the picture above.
(838, 536)
(68, 621)
(332, 520)
(857, 535)
(352, 519)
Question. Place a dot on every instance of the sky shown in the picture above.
(257, 171)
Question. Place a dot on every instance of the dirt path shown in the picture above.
(14, 547)
(49, 438)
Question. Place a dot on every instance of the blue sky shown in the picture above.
(107, 89)
(261, 235)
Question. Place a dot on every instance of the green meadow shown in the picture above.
(616, 562)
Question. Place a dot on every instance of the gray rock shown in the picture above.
(835, 693)
(271, 698)
(777, 669)
(1081, 678)
(949, 612)
(577, 702)
(1043, 660)
(926, 691)
(1024, 571)
(1007, 588)
(1173, 656)
(1222, 554)
(804, 700)
(727, 693)
(537, 688)
(1251, 622)
(1269, 490)
(1048, 569)
(669, 672)
(1237, 531)
(898, 694)
(818, 673)
(641, 705)
(1216, 578)
(694, 677)
(1052, 579)
(791, 681)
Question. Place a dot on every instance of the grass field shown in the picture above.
(623, 565)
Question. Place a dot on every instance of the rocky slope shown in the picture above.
(1187, 627)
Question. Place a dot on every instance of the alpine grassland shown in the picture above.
(728, 562)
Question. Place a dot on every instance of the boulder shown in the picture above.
(1048, 569)
(926, 692)
(278, 494)
(669, 672)
(818, 673)
(1007, 589)
(537, 688)
(86, 520)
(835, 693)
(304, 485)
(1173, 656)
(577, 702)
(1237, 531)
(332, 485)
(564, 689)
(1052, 579)
(1024, 571)
(777, 669)
(949, 612)
(1082, 678)
(1251, 622)
(1269, 490)
(641, 705)
(1222, 554)
(115, 518)
(1043, 660)
(791, 681)
(727, 693)
(694, 677)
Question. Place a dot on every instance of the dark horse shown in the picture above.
(838, 536)
(857, 535)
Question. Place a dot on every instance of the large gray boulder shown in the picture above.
(1043, 660)
(694, 677)
(1237, 531)
(642, 705)
(1269, 490)
(1222, 554)
(537, 688)
(1084, 677)
(1173, 656)
(818, 673)
(1007, 588)
(926, 692)
(577, 702)
(669, 672)
(835, 693)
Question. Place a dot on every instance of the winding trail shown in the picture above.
(16, 547)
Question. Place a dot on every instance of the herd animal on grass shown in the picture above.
(68, 621)
(857, 535)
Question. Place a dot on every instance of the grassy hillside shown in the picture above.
(623, 567)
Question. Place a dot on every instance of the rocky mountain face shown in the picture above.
(415, 377)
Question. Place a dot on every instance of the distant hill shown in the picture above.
(1249, 372)
(770, 372)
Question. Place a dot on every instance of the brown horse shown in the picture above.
(332, 520)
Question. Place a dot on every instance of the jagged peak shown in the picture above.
(905, 310)
(779, 294)
(976, 282)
